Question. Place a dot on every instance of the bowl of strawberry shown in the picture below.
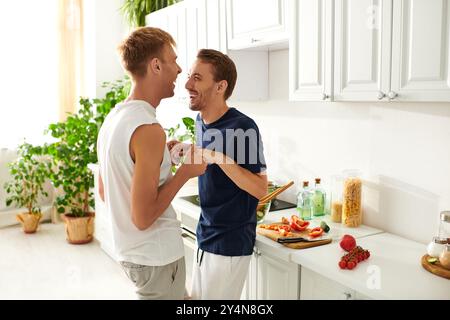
(355, 254)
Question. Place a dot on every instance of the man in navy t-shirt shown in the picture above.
(233, 182)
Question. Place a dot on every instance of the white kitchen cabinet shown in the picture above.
(310, 50)
(420, 50)
(255, 23)
(216, 25)
(392, 50)
(271, 278)
(369, 50)
(362, 57)
(317, 287)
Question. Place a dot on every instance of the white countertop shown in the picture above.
(396, 260)
(393, 271)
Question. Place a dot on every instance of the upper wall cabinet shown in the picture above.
(362, 49)
(420, 50)
(310, 51)
(255, 23)
(381, 50)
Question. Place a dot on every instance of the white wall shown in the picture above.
(403, 150)
(105, 28)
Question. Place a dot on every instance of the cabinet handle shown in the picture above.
(255, 40)
(381, 95)
(392, 95)
(325, 96)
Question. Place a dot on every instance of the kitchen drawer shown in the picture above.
(317, 287)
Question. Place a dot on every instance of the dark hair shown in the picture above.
(223, 68)
(141, 46)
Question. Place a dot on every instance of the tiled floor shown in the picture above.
(44, 266)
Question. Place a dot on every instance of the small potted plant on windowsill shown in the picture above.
(29, 172)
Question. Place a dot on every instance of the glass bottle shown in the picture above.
(444, 226)
(336, 198)
(304, 202)
(351, 199)
(318, 199)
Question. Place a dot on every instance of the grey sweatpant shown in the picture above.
(157, 283)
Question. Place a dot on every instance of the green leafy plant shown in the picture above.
(136, 10)
(188, 135)
(29, 172)
(76, 147)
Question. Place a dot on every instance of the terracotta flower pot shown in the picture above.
(79, 230)
(30, 222)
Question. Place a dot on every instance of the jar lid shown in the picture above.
(445, 216)
(440, 240)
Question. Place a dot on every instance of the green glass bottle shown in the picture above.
(318, 199)
(304, 202)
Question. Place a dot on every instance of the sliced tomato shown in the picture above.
(316, 232)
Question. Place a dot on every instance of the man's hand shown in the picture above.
(177, 150)
(193, 165)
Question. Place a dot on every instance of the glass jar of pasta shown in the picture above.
(336, 198)
(352, 199)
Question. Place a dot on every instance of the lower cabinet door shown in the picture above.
(276, 279)
(317, 287)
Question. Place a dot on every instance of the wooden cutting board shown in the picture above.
(436, 268)
(274, 235)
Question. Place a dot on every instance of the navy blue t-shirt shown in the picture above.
(227, 224)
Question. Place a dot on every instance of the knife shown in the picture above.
(298, 239)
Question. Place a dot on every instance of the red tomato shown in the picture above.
(342, 264)
(351, 265)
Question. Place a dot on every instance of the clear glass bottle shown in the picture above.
(318, 199)
(352, 199)
(304, 202)
(444, 226)
(336, 198)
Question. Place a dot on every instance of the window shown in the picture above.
(29, 70)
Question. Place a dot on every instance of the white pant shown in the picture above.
(216, 277)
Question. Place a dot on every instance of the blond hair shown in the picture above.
(141, 46)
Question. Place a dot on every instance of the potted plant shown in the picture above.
(136, 10)
(74, 150)
(29, 172)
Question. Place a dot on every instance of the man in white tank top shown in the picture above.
(135, 179)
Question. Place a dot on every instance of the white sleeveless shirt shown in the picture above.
(161, 243)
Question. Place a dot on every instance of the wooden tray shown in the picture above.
(436, 268)
(274, 235)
